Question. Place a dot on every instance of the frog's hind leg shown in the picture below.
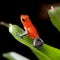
(38, 43)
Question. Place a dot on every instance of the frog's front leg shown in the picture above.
(21, 35)
(37, 43)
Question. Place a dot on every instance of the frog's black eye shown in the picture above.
(23, 19)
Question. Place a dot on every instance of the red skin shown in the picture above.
(29, 27)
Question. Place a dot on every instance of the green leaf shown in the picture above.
(45, 53)
(14, 56)
(54, 14)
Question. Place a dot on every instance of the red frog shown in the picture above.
(31, 31)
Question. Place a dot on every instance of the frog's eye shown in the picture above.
(23, 19)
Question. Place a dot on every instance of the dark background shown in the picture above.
(10, 12)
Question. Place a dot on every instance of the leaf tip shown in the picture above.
(52, 9)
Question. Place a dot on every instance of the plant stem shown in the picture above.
(4, 24)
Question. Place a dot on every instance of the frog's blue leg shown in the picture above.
(21, 35)
(38, 42)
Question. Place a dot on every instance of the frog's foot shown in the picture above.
(21, 35)
(38, 43)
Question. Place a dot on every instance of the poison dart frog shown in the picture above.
(31, 31)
